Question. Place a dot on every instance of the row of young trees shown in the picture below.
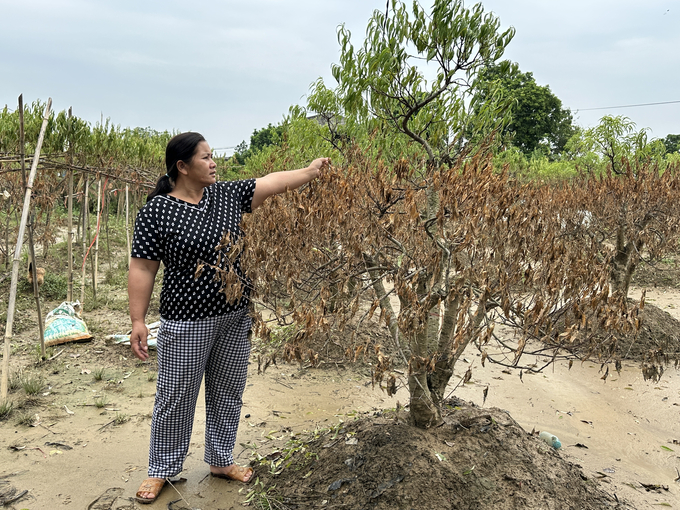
(416, 225)
(101, 154)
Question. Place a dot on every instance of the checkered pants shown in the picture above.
(218, 347)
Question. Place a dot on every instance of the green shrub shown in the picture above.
(101, 402)
(32, 385)
(6, 409)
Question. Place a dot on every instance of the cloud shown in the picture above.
(227, 67)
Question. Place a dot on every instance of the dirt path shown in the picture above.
(628, 425)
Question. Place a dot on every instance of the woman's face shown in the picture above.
(201, 168)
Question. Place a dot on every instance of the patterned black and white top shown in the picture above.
(180, 234)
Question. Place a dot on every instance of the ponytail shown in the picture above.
(163, 187)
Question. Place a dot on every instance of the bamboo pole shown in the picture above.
(96, 242)
(127, 222)
(85, 231)
(69, 294)
(36, 293)
(121, 204)
(31, 247)
(17, 254)
(79, 223)
(106, 201)
(22, 142)
(7, 230)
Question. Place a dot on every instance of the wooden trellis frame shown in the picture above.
(131, 177)
(17, 254)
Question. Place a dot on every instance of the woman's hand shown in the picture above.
(140, 285)
(318, 166)
(138, 343)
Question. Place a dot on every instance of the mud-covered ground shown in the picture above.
(82, 440)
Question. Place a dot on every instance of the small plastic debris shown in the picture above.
(125, 339)
(550, 439)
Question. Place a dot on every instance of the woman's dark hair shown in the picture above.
(181, 147)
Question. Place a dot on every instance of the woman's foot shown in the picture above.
(149, 490)
(233, 472)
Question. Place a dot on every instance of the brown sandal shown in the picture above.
(237, 473)
(152, 485)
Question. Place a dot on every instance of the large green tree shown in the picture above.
(537, 117)
(672, 143)
(261, 138)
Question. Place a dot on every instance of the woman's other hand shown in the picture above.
(138, 344)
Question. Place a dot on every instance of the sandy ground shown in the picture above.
(629, 426)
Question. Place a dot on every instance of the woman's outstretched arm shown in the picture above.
(278, 182)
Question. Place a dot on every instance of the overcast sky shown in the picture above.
(227, 67)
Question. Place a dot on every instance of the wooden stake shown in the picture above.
(96, 242)
(31, 247)
(86, 228)
(121, 200)
(36, 293)
(106, 200)
(17, 253)
(79, 223)
(127, 222)
(69, 294)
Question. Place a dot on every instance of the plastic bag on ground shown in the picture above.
(63, 325)
(125, 339)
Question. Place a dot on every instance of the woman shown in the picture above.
(201, 333)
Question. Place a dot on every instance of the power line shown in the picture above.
(625, 106)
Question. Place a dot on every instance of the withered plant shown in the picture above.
(440, 256)
(625, 219)
(428, 236)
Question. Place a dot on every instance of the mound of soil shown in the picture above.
(656, 344)
(659, 334)
(662, 274)
(478, 459)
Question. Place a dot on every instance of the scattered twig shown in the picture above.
(284, 384)
(47, 429)
(3, 477)
(60, 445)
(11, 496)
(105, 425)
(178, 492)
(57, 354)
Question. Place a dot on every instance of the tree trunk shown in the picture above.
(623, 266)
(387, 310)
(451, 347)
(424, 413)
(625, 261)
